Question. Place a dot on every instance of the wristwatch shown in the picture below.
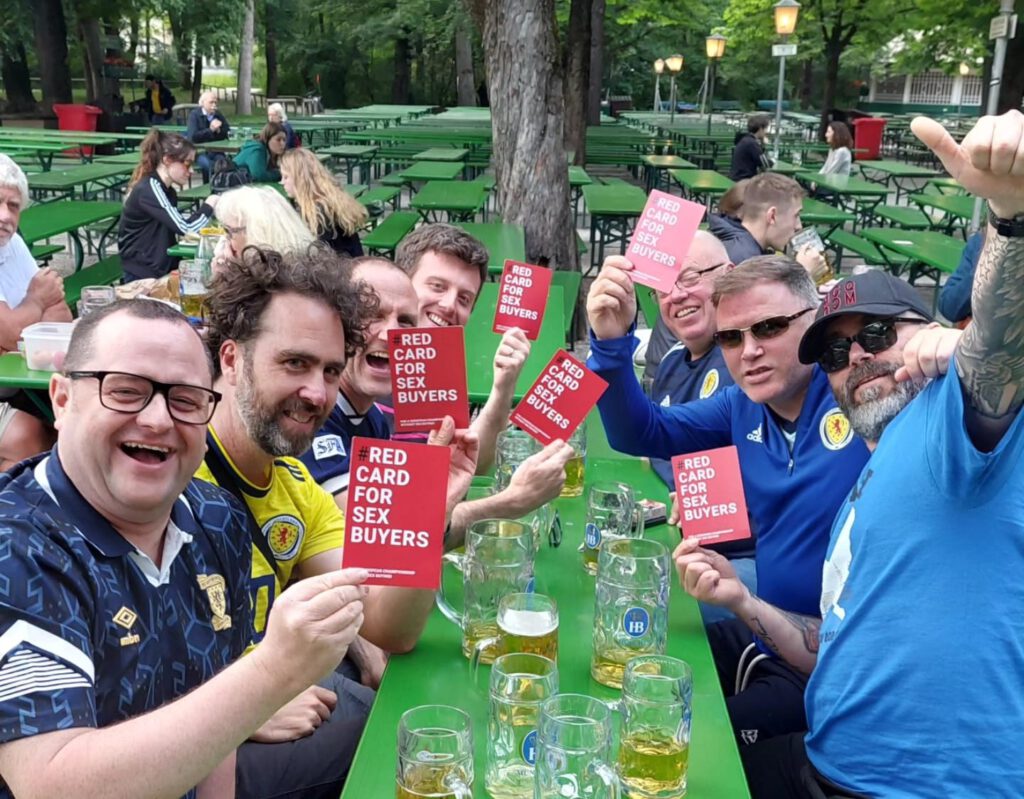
(1010, 228)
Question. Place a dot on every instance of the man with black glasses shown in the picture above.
(125, 591)
(797, 453)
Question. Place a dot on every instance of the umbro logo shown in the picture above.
(756, 435)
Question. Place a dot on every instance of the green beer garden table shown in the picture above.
(442, 154)
(815, 212)
(432, 170)
(895, 173)
(956, 210)
(45, 220)
(613, 209)
(702, 185)
(459, 199)
(503, 241)
(82, 182)
(354, 155)
(919, 253)
(786, 168)
(437, 673)
(656, 166)
(853, 194)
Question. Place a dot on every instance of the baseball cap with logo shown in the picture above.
(873, 293)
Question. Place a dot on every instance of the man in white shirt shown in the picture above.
(27, 295)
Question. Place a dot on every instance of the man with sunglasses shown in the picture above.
(798, 455)
(922, 579)
(125, 591)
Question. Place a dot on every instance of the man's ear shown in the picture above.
(231, 358)
(60, 398)
(771, 215)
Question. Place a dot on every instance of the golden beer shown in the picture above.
(476, 632)
(422, 780)
(652, 764)
(609, 664)
(574, 470)
(192, 304)
(512, 750)
(532, 631)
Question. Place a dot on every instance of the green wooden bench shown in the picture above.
(841, 240)
(106, 272)
(903, 216)
(384, 238)
(44, 252)
(382, 195)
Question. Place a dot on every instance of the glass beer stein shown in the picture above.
(435, 754)
(612, 514)
(574, 743)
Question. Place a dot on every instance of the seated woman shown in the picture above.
(260, 216)
(151, 222)
(839, 159)
(275, 113)
(261, 155)
(330, 212)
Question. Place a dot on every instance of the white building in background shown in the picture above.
(933, 87)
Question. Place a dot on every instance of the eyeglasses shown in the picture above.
(692, 277)
(767, 328)
(124, 392)
(874, 337)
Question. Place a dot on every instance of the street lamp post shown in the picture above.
(715, 44)
(675, 66)
(659, 67)
(786, 12)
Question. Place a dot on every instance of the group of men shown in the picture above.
(139, 600)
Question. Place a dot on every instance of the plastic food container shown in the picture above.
(46, 344)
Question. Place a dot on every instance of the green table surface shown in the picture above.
(925, 246)
(15, 374)
(44, 220)
(181, 250)
(449, 195)
(578, 177)
(844, 184)
(816, 212)
(786, 168)
(79, 176)
(120, 158)
(897, 169)
(351, 150)
(432, 170)
(619, 199)
(668, 162)
(436, 672)
(442, 154)
(705, 181)
(947, 183)
(958, 205)
(503, 241)
(19, 146)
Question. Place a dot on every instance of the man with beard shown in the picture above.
(895, 636)
(280, 331)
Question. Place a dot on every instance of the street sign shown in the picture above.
(1003, 27)
(783, 50)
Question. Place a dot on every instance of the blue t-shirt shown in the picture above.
(329, 457)
(92, 633)
(917, 689)
(792, 497)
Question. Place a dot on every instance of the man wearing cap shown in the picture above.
(911, 690)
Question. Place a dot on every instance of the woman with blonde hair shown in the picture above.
(330, 212)
(260, 216)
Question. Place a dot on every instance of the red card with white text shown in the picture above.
(394, 517)
(709, 493)
(522, 297)
(662, 238)
(559, 399)
(428, 377)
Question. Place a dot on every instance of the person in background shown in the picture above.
(158, 102)
(262, 154)
(955, 294)
(839, 159)
(276, 114)
(328, 210)
(28, 295)
(207, 124)
(748, 156)
(151, 222)
(258, 216)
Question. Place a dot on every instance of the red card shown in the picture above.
(559, 399)
(662, 238)
(428, 377)
(394, 518)
(522, 297)
(709, 492)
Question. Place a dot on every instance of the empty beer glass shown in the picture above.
(630, 606)
(498, 560)
(435, 754)
(654, 736)
(512, 448)
(519, 684)
(612, 513)
(574, 750)
(575, 468)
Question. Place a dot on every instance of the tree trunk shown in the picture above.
(832, 52)
(402, 74)
(270, 48)
(17, 80)
(596, 62)
(244, 101)
(807, 85)
(465, 81)
(92, 44)
(527, 105)
(182, 49)
(577, 78)
(51, 37)
(133, 36)
(197, 78)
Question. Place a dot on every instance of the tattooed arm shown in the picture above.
(990, 358)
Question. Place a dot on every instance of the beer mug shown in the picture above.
(574, 743)
(526, 623)
(435, 754)
(654, 736)
(512, 448)
(498, 560)
(519, 684)
(539, 520)
(95, 297)
(630, 606)
(576, 465)
(612, 513)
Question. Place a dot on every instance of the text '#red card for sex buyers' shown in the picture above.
(709, 492)
(522, 297)
(428, 377)
(662, 238)
(394, 517)
(559, 399)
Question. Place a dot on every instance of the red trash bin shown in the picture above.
(71, 116)
(867, 135)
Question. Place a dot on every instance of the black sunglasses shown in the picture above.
(873, 338)
(767, 328)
